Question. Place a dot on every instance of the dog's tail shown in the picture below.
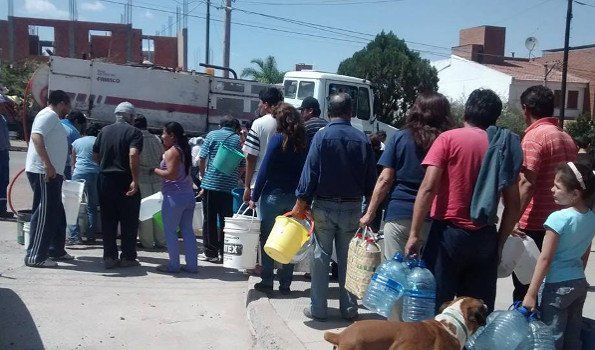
(331, 337)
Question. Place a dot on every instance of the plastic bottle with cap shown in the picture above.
(506, 331)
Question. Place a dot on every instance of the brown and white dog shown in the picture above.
(457, 320)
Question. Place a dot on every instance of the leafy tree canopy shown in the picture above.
(396, 72)
(265, 72)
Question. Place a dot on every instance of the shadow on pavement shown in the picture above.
(17, 328)
(335, 321)
(95, 265)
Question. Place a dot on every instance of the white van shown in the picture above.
(298, 85)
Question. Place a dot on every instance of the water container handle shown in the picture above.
(518, 305)
(310, 221)
(246, 210)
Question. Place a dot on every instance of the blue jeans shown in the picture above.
(273, 204)
(562, 310)
(4, 178)
(92, 203)
(177, 211)
(334, 222)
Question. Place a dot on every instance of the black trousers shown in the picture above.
(216, 205)
(117, 208)
(521, 289)
(464, 262)
(48, 224)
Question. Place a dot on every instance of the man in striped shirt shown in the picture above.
(310, 110)
(545, 145)
(258, 137)
(216, 185)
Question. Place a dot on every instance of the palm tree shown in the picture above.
(267, 71)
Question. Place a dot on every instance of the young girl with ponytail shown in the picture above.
(564, 255)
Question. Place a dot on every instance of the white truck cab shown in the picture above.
(298, 85)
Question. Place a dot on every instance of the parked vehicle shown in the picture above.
(195, 100)
(298, 85)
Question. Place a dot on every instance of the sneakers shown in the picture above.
(129, 263)
(45, 263)
(74, 241)
(215, 260)
(308, 314)
(261, 287)
(165, 268)
(65, 257)
(284, 290)
(7, 216)
(187, 269)
(110, 263)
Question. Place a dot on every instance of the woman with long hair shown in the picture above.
(178, 198)
(403, 173)
(275, 185)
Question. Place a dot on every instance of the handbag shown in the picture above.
(363, 257)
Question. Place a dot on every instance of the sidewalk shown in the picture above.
(278, 322)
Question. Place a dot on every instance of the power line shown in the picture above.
(326, 3)
(583, 3)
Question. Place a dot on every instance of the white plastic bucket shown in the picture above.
(72, 195)
(511, 254)
(240, 249)
(526, 265)
(26, 233)
(197, 219)
(150, 206)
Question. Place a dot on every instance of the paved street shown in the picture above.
(82, 306)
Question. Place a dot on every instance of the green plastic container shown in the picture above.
(227, 159)
(158, 219)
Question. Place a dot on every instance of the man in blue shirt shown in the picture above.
(340, 170)
(73, 123)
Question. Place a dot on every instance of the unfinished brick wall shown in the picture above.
(490, 38)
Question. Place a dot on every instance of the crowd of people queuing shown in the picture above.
(435, 187)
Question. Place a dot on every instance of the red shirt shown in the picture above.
(545, 146)
(459, 154)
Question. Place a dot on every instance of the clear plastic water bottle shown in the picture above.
(505, 331)
(419, 301)
(470, 344)
(386, 286)
(540, 337)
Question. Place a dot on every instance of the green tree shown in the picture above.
(583, 128)
(266, 71)
(396, 72)
(16, 76)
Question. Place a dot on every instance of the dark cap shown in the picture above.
(310, 102)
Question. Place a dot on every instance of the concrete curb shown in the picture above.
(267, 327)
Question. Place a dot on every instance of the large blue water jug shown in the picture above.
(419, 301)
(540, 336)
(470, 344)
(386, 286)
(506, 331)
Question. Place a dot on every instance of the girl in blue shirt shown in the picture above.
(564, 255)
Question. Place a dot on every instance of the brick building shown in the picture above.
(581, 62)
(77, 39)
(479, 62)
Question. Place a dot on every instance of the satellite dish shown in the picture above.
(531, 43)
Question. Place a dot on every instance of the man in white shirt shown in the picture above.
(46, 156)
(257, 141)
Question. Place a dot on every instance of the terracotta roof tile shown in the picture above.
(533, 71)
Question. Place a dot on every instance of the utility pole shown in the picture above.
(565, 63)
(226, 40)
(207, 32)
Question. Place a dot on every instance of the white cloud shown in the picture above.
(94, 6)
(45, 8)
(149, 14)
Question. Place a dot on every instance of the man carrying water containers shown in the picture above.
(216, 187)
(46, 157)
(462, 253)
(339, 171)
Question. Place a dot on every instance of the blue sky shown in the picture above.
(433, 22)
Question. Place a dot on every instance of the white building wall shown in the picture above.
(518, 86)
(458, 77)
